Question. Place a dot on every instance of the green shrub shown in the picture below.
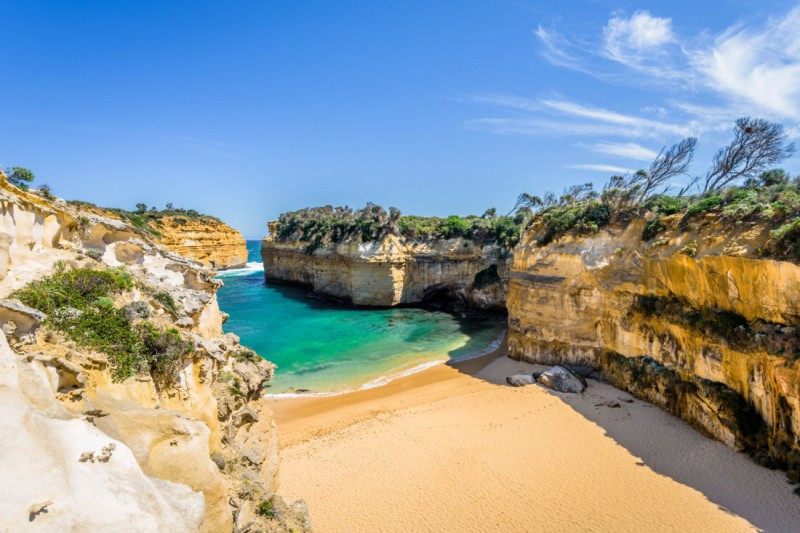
(321, 226)
(79, 303)
(652, 228)
(454, 227)
(265, 509)
(246, 355)
(162, 350)
(137, 309)
(20, 177)
(74, 288)
(94, 253)
(785, 241)
(506, 232)
(582, 218)
(166, 300)
(666, 205)
(104, 303)
(703, 206)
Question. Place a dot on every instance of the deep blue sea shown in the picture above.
(320, 346)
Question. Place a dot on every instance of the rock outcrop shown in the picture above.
(210, 241)
(392, 271)
(85, 450)
(203, 238)
(695, 321)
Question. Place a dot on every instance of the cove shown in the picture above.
(325, 347)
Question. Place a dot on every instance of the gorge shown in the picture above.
(699, 316)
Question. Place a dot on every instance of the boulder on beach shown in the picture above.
(560, 379)
(520, 380)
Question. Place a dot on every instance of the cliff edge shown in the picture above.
(124, 406)
(696, 320)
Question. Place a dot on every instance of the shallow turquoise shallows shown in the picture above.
(324, 347)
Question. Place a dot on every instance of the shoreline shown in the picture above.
(463, 452)
(495, 348)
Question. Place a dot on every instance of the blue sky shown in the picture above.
(247, 109)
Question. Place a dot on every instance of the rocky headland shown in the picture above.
(125, 407)
(184, 231)
(407, 261)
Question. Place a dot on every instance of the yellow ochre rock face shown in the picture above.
(694, 320)
(391, 271)
(213, 243)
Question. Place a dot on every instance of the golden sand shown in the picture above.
(453, 448)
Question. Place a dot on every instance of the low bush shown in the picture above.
(581, 218)
(167, 301)
(94, 253)
(246, 356)
(265, 509)
(74, 288)
(80, 304)
(703, 206)
(785, 241)
(666, 205)
(320, 226)
(652, 228)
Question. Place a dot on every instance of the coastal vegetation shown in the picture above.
(148, 219)
(80, 304)
(739, 185)
(331, 225)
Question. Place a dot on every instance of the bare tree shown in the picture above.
(757, 144)
(668, 164)
(526, 200)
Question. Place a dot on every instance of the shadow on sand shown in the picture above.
(669, 446)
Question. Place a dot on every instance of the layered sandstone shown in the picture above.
(199, 237)
(392, 271)
(86, 452)
(210, 241)
(694, 320)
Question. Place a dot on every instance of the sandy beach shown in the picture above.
(453, 448)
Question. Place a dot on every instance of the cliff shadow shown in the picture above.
(669, 447)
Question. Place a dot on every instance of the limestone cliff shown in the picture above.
(210, 241)
(695, 321)
(392, 271)
(203, 238)
(85, 450)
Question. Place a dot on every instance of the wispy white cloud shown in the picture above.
(505, 100)
(551, 116)
(612, 117)
(625, 150)
(631, 40)
(557, 50)
(753, 68)
(550, 127)
(600, 168)
(758, 66)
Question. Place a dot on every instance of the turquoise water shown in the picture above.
(321, 346)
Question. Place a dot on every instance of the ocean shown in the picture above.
(323, 347)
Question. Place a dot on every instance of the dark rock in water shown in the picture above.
(520, 380)
(560, 379)
(536, 375)
(582, 371)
